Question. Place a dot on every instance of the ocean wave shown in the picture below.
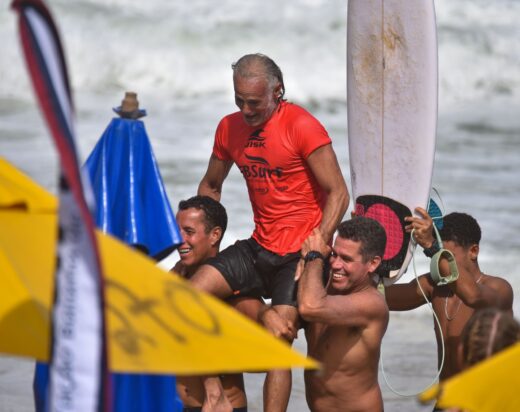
(183, 50)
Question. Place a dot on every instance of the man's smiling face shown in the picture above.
(198, 244)
(255, 98)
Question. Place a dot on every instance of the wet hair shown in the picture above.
(461, 228)
(487, 332)
(247, 66)
(367, 231)
(214, 213)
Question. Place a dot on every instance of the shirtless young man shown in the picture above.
(295, 185)
(346, 319)
(455, 302)
(202, 222)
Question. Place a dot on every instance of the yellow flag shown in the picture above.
(157, 323)
(28, 225)
(490, 386)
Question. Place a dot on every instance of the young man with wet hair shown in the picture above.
(202, 222)
(455, 302)
(346, 319)
(295, 185)
(205, 222)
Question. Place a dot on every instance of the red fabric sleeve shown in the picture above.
(309, 135)
(221, 141)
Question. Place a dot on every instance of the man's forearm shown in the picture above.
(211, 183)
(205, 189)
(470, 292)
(335, 208)
(311, 293)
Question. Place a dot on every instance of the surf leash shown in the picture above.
(433, 209)
(434, 263)
(443, 349)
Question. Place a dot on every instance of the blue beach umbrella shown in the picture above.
(132, 205)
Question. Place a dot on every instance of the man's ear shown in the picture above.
(215, 235)
(473, 251)
(278, 91)
(374, 263)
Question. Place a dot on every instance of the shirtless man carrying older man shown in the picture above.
(347, 318)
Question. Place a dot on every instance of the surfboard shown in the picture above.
(392, 115)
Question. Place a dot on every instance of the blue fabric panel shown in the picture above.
(138, 393)
(131, 200)
(130, 393)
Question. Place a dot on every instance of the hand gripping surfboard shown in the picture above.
(392, 115)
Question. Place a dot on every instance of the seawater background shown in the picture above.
(177, 56)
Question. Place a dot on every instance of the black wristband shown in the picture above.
(432, 250)
(312, 255)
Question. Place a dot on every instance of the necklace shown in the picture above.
(459, 303)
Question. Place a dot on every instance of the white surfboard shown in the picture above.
(392, 114)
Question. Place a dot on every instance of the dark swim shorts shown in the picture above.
(251, 270)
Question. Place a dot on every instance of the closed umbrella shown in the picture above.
(132, 204)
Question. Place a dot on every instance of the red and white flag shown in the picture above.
(78, 370)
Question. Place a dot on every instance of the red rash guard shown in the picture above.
(286, 199)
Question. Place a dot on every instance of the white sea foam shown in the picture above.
(184, 49)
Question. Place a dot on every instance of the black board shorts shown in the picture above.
(251, 270)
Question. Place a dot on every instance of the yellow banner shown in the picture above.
(157, 323)
(489, 386)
